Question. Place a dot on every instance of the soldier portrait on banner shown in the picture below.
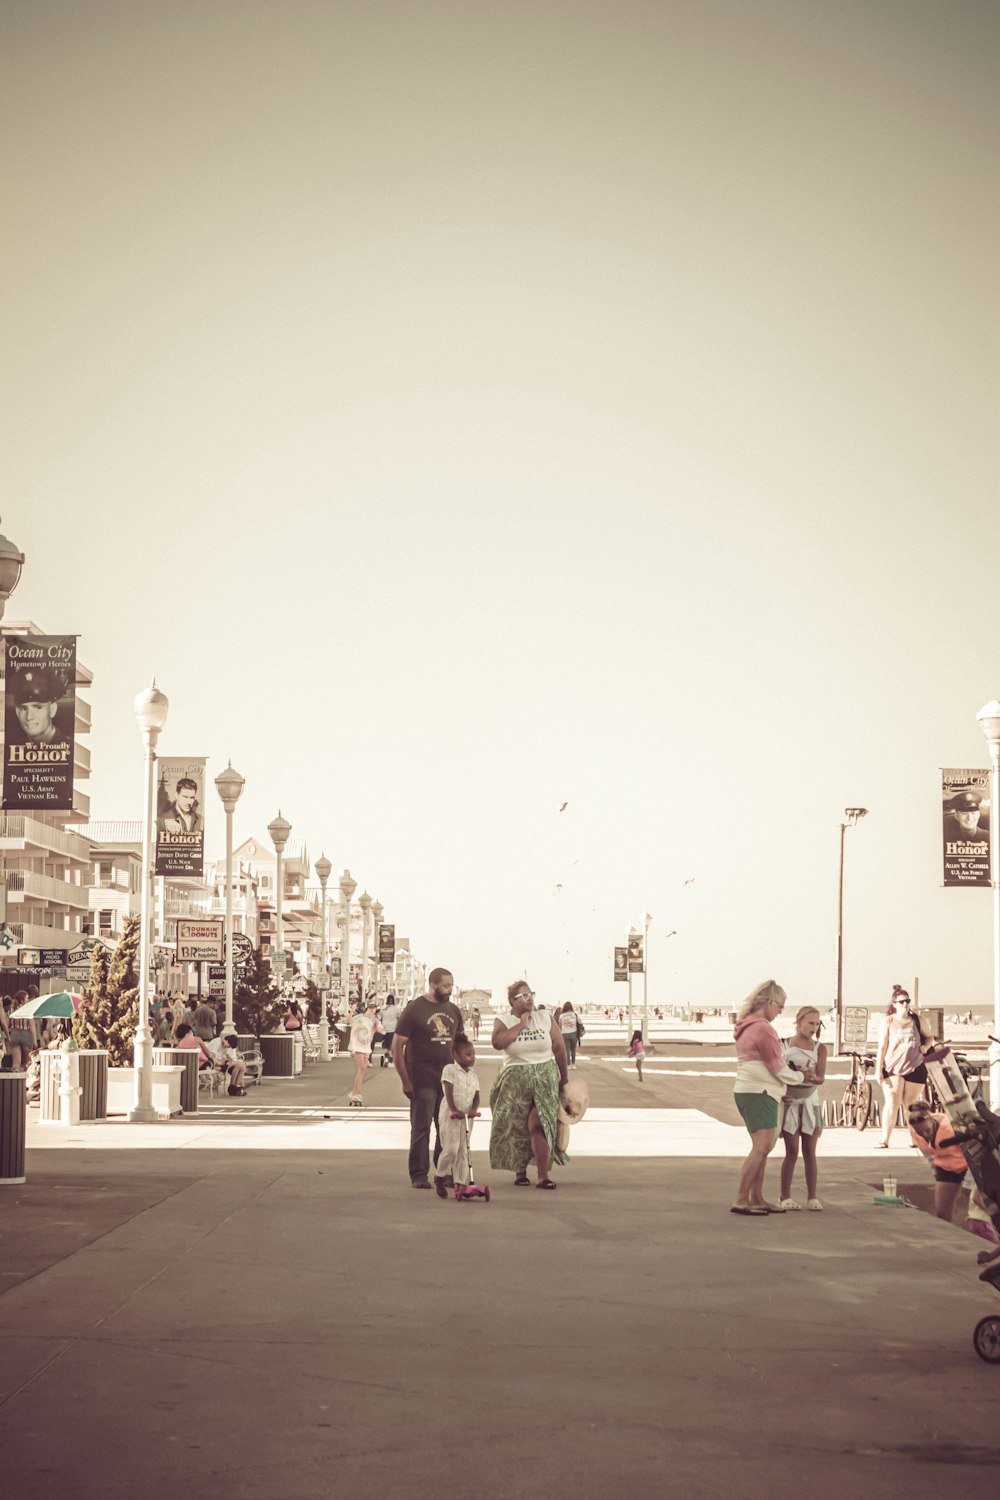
(39, 718)
(180, 820)
(965, 817)
(621, 964)
(635, 954)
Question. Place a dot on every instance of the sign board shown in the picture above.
(81, 953)
(855, 1028)
(53, 958)
(200, 939)
(621, 964)
(77, 973)
(635, 954)
(386, 942)
(933, 1016)
(29, 958)
(217, 980)
(323, 983)
(278, 960)
(242, 949)
(7, 940)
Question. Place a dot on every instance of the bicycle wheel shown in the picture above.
(986, 1339)
(863, 1106)
(848, 1103)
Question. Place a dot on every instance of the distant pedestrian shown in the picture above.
(638, 1051)
(569, 1025)
(420, 1052)
(389, 1019)
(206, 1021)
(899, 1061)
(294, 1019)
(803, 1117)
(461, 1097)
(364, 1029)
(761, 1079)
(475, 1021)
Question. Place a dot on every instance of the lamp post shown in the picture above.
(377, 910)
(853, 816)
(989, 722)
(229, 784)
(646, 919)
(150, 714)
(11, 563)
(630, 934)
(279, 828)
(348, 885)
(323, 868)
(365, 902)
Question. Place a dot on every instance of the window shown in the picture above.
(104, 923)
(105, 870)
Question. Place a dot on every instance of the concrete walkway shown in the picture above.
(288, 1322)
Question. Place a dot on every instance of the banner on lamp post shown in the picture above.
(621, 964)
(180, 820)
(386, 942)
(966, 827)
(635, 954)
(39, 719)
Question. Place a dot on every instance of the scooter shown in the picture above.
(469, 1192)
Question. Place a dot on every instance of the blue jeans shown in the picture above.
(423, 1110)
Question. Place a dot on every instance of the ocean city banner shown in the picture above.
(635, 954)
(621, 964)
(39, 716)
(386, 942)
(180, 822)
(965, 813)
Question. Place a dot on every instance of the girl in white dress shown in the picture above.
(803, 1119)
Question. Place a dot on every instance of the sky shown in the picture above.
(466, 409)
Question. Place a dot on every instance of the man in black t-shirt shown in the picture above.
(421, 1048)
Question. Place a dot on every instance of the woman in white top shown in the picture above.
(899, 1063)
(569, 1026)
(525, 1096)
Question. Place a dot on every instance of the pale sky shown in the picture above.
(468, 408)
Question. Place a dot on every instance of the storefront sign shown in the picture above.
(200, 940)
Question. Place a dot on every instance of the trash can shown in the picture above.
(187, 1058)
(13, 1115)
(93, 1083)
(279, 1054)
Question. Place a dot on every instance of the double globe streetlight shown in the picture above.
(323, 868)
(11, 563)
(348, 885)
(279, 828)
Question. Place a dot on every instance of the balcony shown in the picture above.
(25, 885)
(22, 832)
(34, 935)
(82, 715)
(81, 760)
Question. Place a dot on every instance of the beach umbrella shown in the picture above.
(63, 1004)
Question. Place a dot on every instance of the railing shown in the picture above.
(48, 888)
(23, 828)
(32, 935)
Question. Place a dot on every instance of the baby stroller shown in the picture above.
(468, 1192)
(977, 1130)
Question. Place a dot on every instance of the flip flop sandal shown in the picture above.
(750, 1213)
(546, 1183)
(521, 1180)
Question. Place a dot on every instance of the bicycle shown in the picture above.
(856, 1105)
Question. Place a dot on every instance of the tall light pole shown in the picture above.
(279, 828)
(853, 816)
(989, 722)
(646, 919)
(11, 563)
(229, 784)
(151, 708)
(323, 868)
(377, 910)
(365, 902)
(630, 934)
(348, 885)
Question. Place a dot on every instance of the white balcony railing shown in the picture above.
(21, 828)
(27, 884)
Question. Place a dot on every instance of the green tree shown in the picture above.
(109, 1014)
(256, 1004)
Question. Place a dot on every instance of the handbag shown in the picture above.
(580, 1028)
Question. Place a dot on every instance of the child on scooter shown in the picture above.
(461, 1097)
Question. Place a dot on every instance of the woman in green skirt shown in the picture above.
(525, 1097)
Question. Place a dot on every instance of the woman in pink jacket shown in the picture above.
(761, 1079)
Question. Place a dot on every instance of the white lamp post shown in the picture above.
(323, 868)
(853, 816)
(646, 919)
(348, 885)
(365, 902)
(229, 784)
(630, 934)
(150, 714)
(279, 828)
(989, 723)
(377, 910)
(11, 563)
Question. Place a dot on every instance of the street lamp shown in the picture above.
(323, 868)
(279, 828)
(377, 910)
(150, 714)
(853, 816)
(646, 919)
(348, 885)
(11, 563)
(365, 902)
(631, 933)
(229, 784)
(989, 722)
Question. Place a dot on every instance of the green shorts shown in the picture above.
(759, 1111)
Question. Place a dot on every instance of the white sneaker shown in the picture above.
(815, 1205)
(788, 1203)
